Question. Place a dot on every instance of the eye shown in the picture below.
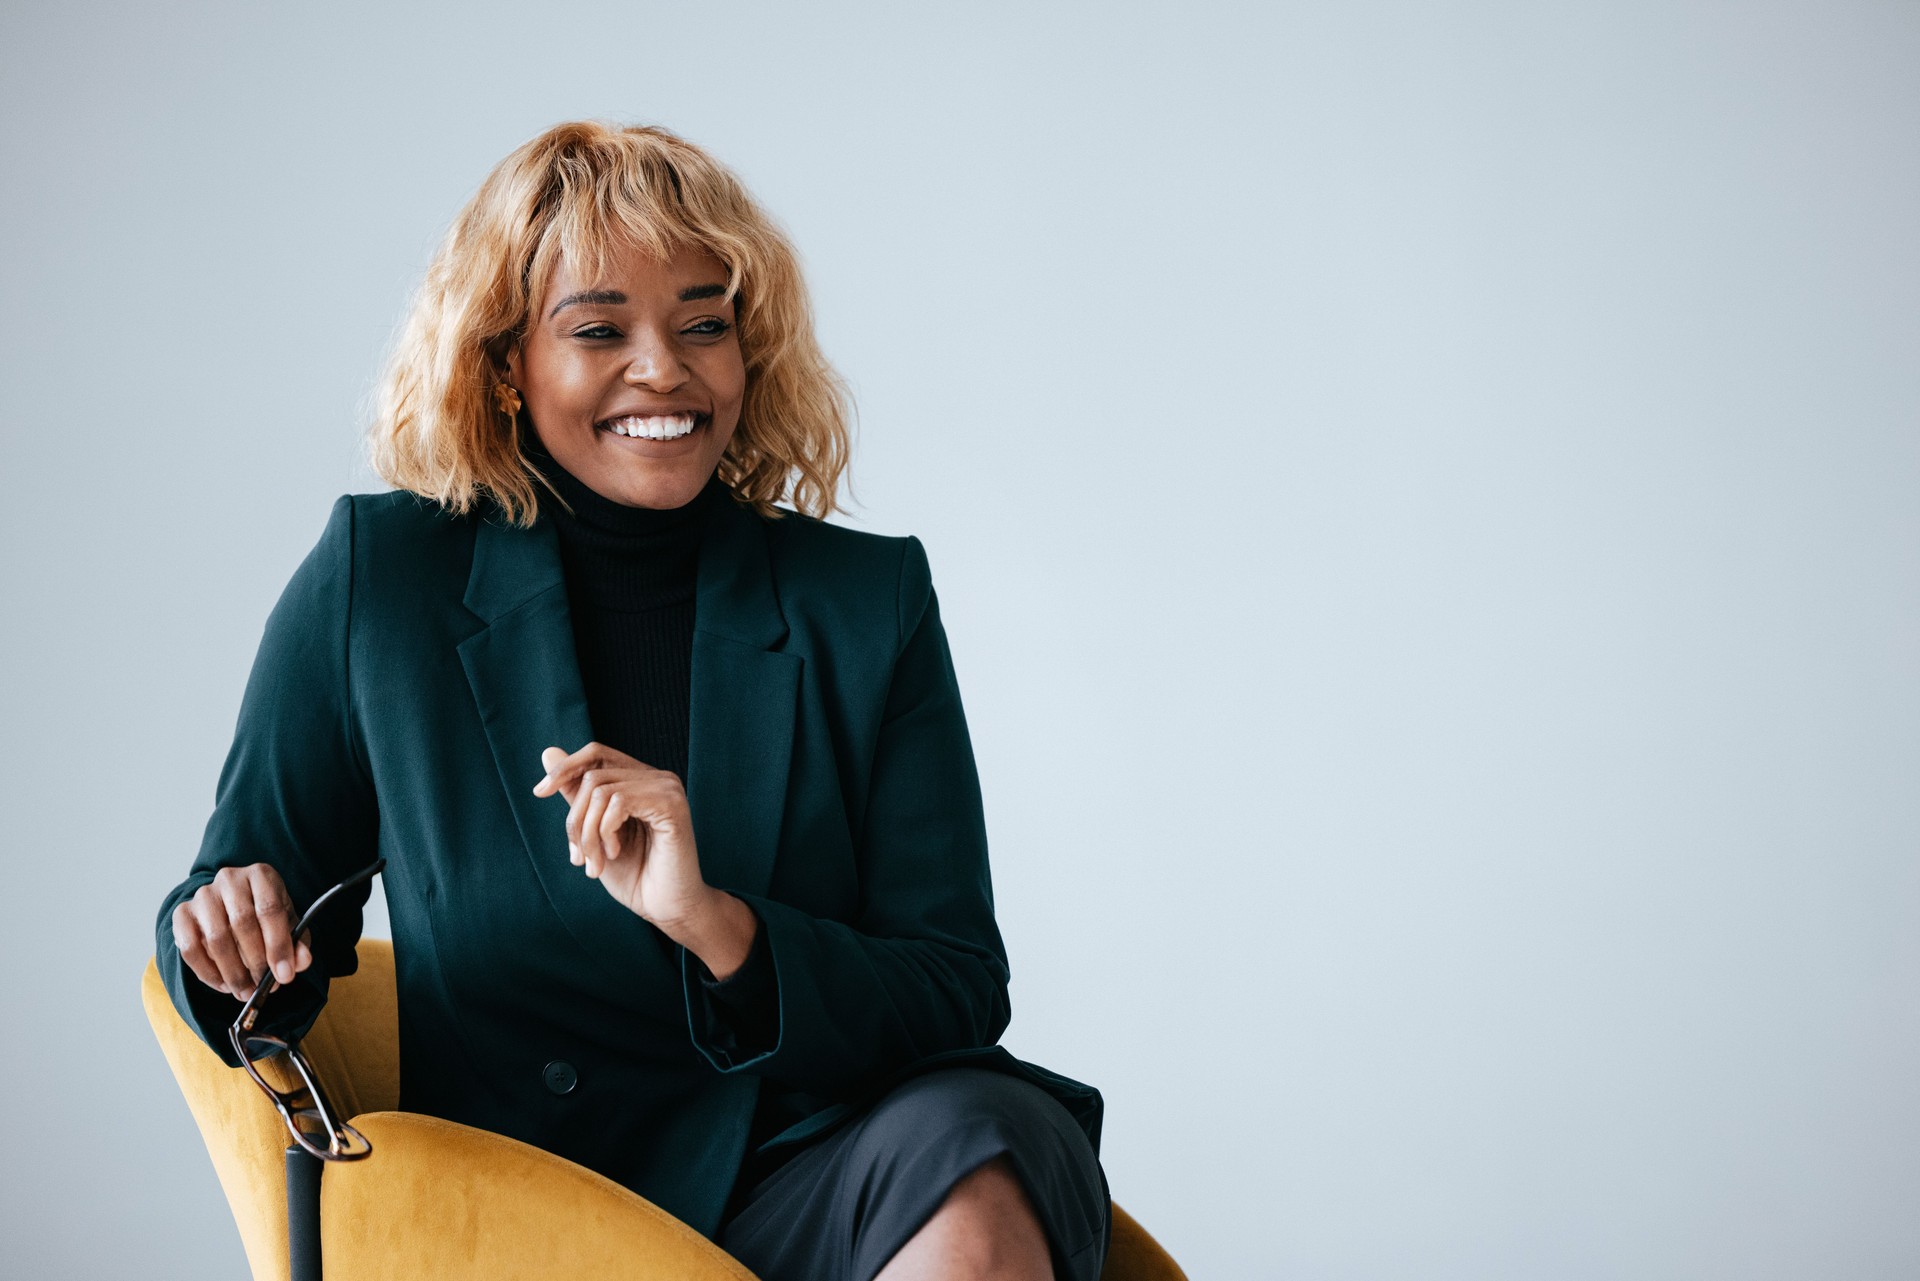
(711, 327)
(597, 331)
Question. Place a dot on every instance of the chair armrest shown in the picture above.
(438, 1199)
(1133, 1254)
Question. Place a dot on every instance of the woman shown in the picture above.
(686, 867)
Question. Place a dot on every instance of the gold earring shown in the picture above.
(507, 399)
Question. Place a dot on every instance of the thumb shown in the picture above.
(550, 760)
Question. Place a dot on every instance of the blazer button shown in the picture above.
(560, 1076)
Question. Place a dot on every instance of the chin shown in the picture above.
(661, 492)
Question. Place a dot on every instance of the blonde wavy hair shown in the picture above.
(586, 190)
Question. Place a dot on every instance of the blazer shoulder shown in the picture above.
(399, 513)
(404, 545)
(824, 565)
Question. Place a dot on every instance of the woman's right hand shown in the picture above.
(230, 931)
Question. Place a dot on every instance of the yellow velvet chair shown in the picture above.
(438, 1199)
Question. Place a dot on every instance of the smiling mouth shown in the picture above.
(654, 426)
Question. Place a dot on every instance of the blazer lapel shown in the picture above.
(745, 694)
(526, 684)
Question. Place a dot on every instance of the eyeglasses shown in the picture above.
(310, 1118)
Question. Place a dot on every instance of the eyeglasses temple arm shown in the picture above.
(366, 873)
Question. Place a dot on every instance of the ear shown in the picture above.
(503, 353)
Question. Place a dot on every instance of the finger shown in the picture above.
(612, 820)
(244, 926)
(270, 908)
(210, 915)
(590, 847)
(597, 787)
(635, 831)
(584, 786)
(303, 952)
(193, 950)
(563, 768)
(550, 760)
(656, 800)
(576, 810)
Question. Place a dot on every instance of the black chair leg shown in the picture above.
(303, 1213)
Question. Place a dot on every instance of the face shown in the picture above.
(645, 349)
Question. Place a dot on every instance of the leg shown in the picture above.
(956, 1173)
(985, 1230)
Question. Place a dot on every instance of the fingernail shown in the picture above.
(573, 852)
(284, 971)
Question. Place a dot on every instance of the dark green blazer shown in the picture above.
(405, 684)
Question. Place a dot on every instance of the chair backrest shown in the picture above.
(355, 1050)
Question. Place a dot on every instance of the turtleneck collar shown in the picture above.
(620, 557)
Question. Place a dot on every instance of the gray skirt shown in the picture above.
(842, 1207)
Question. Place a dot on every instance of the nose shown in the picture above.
(656, 363)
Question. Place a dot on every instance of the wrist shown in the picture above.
(720, 933)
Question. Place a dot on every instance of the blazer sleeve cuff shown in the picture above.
(734, 1021)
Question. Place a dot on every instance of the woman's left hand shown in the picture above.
(630, 827)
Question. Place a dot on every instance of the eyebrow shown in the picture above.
(693, 293)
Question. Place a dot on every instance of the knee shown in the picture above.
(987, 1226)
(1042, 1180)
(993, 1191)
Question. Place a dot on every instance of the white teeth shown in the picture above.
(670, 427)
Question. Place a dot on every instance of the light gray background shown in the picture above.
(1424, 500)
